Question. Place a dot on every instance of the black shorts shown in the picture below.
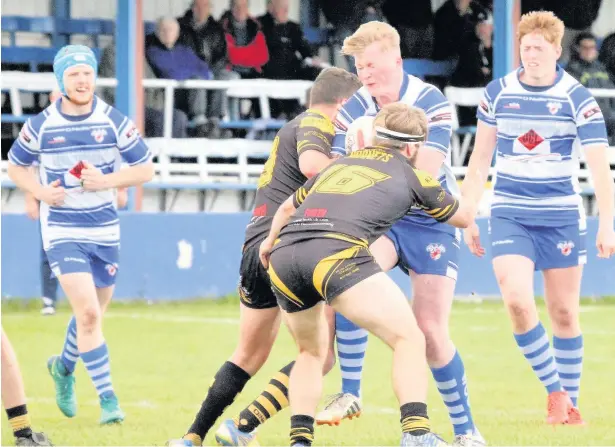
(307, 272)
(254, 285)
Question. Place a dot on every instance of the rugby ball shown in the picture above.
(359, 134)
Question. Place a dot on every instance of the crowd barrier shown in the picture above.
(167, 256)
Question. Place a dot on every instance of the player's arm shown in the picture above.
(24, 152)
(314, 137)
(440, 204)
(437, 145)
(281, 218)
(591, 130)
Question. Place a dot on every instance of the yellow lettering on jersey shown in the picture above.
(372, 154)
(323, 124)
(267, 173)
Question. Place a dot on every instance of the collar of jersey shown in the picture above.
(402, 91)
(531, 88)
(76, 117)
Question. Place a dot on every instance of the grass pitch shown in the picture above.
(165, 355)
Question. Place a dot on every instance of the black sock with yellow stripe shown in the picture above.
(414, 418)
(20, 421)
(301, 429)
(227, 384)
(269, 403)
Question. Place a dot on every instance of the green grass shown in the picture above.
(164, 356)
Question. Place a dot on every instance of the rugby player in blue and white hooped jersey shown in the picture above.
(80, 142)
(423, 248)
(540, 118)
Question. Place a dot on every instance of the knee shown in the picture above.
(89, 319)
(519, 302)
(563, 317)
(251, 358)
(436, 336)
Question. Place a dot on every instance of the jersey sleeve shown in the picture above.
(439, 118)
(354, 108)
(591, 128)
(26, 148)
(486, 108)
(315, 133)
(131, 146)
(300, 195)
(432, 198)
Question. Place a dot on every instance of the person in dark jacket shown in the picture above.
(206, 37)
(453, 22)
(170, 59)
(290, 55)
(607, 55)
(589, 71)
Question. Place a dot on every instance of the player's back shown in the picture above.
(281, 175)
(360, 196)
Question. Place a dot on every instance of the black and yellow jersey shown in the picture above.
(281, 175)
(362, 195)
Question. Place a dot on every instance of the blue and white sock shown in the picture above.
(535, 347)
(451, 382)
(351, 347)
(97, 363)
(569, 361)
(70, 352)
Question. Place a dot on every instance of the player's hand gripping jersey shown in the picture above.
(361, 196)
(59, 143)
(281, 176)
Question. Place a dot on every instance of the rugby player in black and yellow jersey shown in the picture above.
(317, 252)
(301, 149)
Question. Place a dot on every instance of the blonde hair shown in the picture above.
(400, 117)
(369, 33)
(543, 22)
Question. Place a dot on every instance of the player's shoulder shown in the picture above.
(419, 93)
(502, 84)
(116, 118)
(361, 101)
(38, 121)
(313, 119)
(423, 178)
(573, 89)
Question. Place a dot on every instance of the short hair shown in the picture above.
(333, 85)
(369, 33)
(543, 22)
(399, 117)
(584, 35)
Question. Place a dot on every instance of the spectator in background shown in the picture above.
(453, 22)
(290, 55)
(475, 63)
(171, 59)
(589, 71)
(246, 46)
(415, 29)
(607, 55)
(206, 37)
(154, 98)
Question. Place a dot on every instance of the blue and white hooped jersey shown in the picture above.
(58, 142)
(416, 93)
(540, 133)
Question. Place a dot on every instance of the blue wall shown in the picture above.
(152, 266)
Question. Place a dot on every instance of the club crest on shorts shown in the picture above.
(566, 247)
(111, 269)
(435, 251)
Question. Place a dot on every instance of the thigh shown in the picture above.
(104, 294)
(254, 285)
(560, 247)
(258, 327)
(105, 265)
(378, 305)
(309, 329)
(384, 252)
(511, 238)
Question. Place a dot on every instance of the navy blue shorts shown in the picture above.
(101, 261)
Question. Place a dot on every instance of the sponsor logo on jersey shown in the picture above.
(99, 135)
(554, 107)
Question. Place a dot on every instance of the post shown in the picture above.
(503, 37)
(61, 10)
